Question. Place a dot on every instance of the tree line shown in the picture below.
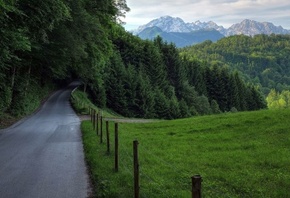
(150, 79)
(54, 41)
(261, 59)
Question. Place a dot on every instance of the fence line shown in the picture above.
(125, 156)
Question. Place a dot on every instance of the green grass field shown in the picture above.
(238, 155)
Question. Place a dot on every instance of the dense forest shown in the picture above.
(150, 79)
(262, 59)
(51, 42)
(47, 43)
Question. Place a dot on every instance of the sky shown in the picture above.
(222, 12)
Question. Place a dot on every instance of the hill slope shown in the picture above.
(238, 155)
(263, 60)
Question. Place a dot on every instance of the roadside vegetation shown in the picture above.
(237, 154)
(82, 104)
(29, 101)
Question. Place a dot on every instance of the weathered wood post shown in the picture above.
(136, 169)
(91, 114)
(94, 119)
(116, 147)
(101, 135)
(97, 124)
(196, 186)
(108, 136)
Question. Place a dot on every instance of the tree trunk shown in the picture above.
(27, 80)
(85, 87)
(13, 77)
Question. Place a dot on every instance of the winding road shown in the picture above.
(42, 155)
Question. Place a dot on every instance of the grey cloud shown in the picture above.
(223, 12)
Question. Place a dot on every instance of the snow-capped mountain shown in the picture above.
(247, 27)
(198, 25)
(166, 24)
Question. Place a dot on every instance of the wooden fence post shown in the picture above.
(94, 119)
(136, 169)
(101, 135)
(116, 148)
(97, 125)
(108, 136)
(196, 186)
(91, 114)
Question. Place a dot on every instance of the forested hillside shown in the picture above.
(51, 42)
(261, 59)
(150, 79)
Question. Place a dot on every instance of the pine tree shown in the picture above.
(215, 107)
(184, 109)
(174, 111)
(114, 81)
(161, 105)
(154, 65)
(144, 103)
(202, 106)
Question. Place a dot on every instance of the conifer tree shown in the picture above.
(161, 105)
(215, 107)
(144, 97)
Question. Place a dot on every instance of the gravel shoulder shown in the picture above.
(121, 120)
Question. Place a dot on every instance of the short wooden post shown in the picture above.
(91, 114)
(108, 136)
(101, 135)
(97, 124)
(196, 186)
(94, 119)
(136, 169)
(116, 148)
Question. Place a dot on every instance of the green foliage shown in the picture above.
(80, 102)
(53, 41)
(26, 101)
(237, 154)
(60, 40)
(150, 79)
(215, 109)
(278, 100)
(262, 59)
(5, 98)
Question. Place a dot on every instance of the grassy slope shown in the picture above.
(238, 155)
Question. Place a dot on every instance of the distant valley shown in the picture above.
(183, 34)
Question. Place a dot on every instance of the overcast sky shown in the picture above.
(222, 12)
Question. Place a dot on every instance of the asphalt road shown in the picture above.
(42, 156)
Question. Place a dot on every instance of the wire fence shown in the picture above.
(152, 168)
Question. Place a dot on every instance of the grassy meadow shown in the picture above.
(237, 154)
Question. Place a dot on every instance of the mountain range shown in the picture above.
(174, 29)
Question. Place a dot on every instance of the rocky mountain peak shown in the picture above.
(251, 28)
(246, 27)
(167, 24)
